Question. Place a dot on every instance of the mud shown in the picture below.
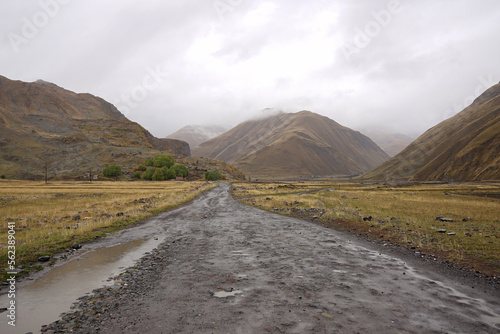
(229, 268)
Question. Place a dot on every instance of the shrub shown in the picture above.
(158, 175)
(213, 176)
(149, 162)
(141, 168)
(148, 175)
(163, 160)
(180, 170)
(138, 175)
(112, 171)
(2, 176)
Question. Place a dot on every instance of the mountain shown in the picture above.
(391, 143)
(194, 135)
(291, 145)
(44, 124)
(465, 147)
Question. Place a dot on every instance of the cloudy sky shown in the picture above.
(394, 65)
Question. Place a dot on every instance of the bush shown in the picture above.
(163, 160)
(213, 176)
(112, 171)
(169, 173)
(148, 175)
(141, 168)
(149, 162)
(138, 175)
(180, 170)
(2, 176)
(158, 175)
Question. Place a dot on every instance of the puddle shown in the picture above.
(225, 294)
(42, 302)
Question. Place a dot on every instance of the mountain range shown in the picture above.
(465, 147)
(194, 135)
(42, 124)
(294, 144)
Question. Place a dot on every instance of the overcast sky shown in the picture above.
(397, 65)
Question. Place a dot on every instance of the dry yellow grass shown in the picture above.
(43, 213)
(406, 215)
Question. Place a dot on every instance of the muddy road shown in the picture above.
(229, 268)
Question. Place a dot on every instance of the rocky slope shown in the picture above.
(464, 147)
(294, 145)
(43, 124)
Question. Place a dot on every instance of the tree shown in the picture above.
(112, 171)
(148, 175)
(149, 162)
(169, 173)
(180, 170)
(163, 160)
(158, 175)
(213, 176)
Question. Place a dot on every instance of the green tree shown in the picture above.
(163, 160)
(180, 170)
(158, 175)
(148, 175)
(112, 171)
(169, 173)
(213, 176)
(149, 162)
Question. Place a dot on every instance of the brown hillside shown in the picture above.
(465, 147)
(291, 145)
(41, 123)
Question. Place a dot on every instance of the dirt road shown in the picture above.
(230, 268)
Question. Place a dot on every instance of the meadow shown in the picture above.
(467, 235)
(52, 217)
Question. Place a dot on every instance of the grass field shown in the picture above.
(402, 214)
(51, 217)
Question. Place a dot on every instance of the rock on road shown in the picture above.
(229, 268)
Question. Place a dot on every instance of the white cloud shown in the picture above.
(274, 53)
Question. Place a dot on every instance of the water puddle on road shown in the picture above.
(42, 302)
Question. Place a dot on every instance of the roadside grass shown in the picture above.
(402, 214)
(51, 217)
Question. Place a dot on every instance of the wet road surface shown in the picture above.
(229, 268)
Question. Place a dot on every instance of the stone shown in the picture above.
(446, 220)
(77, 217)
(368, 218)
(441, 230)
(76, 246)
(44, 258)
(119, 214)
(451, 233)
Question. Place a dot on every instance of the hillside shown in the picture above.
(464, 147)
(293, 145)
(43, 124)
(194, 135)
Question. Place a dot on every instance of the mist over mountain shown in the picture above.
(292, 145)
(465, 147)
(194, 135)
